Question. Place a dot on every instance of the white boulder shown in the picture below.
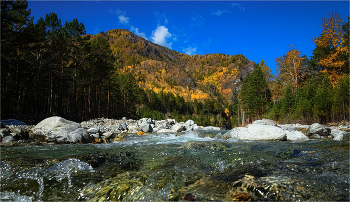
(296, 136)
(340, 135)
(256, 132)
(60, 130)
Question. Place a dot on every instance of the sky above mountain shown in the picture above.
(257, 29)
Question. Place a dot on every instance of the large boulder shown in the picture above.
(318, 129)
(256, 132)
(296, 136)
(145, 127)
(340, 135)
(132, 128)
(60, 130)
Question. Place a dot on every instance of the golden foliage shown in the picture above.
(332, 37)
(290, 67)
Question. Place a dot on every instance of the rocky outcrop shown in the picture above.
(102, 130)
(60, 130)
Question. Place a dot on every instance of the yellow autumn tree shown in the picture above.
(290, 67)
(330, 48)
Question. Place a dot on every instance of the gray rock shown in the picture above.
(93, 130)
(107, 135)
(145, 127)
(155, 130)
(210, 128)
(296, 136)
(318, 129)
(288, 127)
(178, 128)
(7, 139)
(124, 119)
(124, 126)
(315, 136)
(269, 122)
(189, 122)
(132, 128)
(171, 121)
(60, 130)
(189, 128)
(95, 135)
(340, 135)
(4, 132)
(17, 131)
(256, 132)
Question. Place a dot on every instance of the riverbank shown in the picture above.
(102, 130)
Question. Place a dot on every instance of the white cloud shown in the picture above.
(136, 31)
(238, 5)
(219, 12)
(190, 50)
(123, 19)
(160, 36)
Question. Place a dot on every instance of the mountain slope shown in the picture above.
(161, 69)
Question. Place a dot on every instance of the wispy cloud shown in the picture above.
(123, 19)
(190, 50)
(238, 6)
(117, 12)
(161, 18)
(219, 12)
(160, 36)
(197, 20)
(136, 31)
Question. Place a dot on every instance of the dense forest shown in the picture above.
(53, 68)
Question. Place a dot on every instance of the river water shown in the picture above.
(185, 166)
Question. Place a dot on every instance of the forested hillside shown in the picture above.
(53, 68)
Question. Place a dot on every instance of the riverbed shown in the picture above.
(186, 166)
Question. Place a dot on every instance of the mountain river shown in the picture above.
(176, 166)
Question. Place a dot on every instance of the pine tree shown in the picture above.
(323, 100)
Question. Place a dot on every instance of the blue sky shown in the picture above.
(257, 29)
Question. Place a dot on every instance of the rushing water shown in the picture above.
(188, 166)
